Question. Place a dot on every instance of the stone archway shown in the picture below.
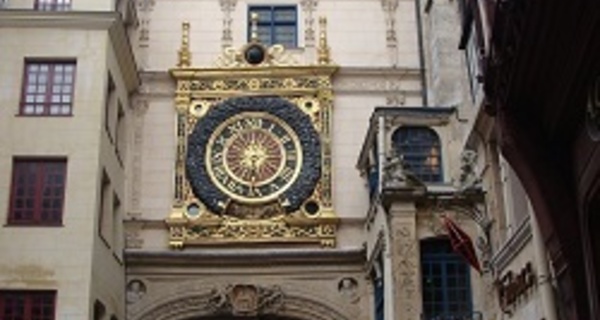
(238, 302)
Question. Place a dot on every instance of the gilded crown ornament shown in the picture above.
(185, 56)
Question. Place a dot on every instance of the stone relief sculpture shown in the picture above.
(468, 179)
(246, 300)
(396, 175)
(136, 289)
(347, 287)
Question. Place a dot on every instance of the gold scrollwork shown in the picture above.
(198, 90)
(212, 229)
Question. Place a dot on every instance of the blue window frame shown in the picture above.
(276, 24)
(445, 282)
(378, 288)
(421, 152)
(378, 294)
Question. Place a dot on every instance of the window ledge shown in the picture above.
(23, 115)
(34, 225)
(440, 187)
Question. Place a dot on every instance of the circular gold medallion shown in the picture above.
(253, 157)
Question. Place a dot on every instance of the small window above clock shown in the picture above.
(276, 24)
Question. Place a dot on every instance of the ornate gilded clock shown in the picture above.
(253, 152)
(253, 160)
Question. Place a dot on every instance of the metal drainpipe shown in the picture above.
(421, 53)
(543, 275)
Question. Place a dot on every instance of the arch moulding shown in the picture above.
(240, 301)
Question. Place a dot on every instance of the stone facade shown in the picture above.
(72, 258)
(387, 67)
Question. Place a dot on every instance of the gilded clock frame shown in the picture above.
(197, 91)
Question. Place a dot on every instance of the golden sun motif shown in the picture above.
(254, 157)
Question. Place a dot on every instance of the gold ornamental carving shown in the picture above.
(257, 160)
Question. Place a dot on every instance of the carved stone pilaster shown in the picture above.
(145, 8)
(227, 7)
(389, 10)
(404, 247)
(133, 239)
(309, 7)
(140, 106)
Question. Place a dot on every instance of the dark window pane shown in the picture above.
(284, 15)
(52, 5)
(446, 289)
(276, 24)
(38, 199)
(420, 150)
(42, 86)
(27, 305)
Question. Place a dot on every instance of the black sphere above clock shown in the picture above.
(255, 54)
(253, 151)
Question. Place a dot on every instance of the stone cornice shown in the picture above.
(81, 20)
(219, 257)
(24, 18)
(348, 80)
(380, 71)
(513, 246)
(378, 80)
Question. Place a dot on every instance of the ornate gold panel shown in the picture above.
(199, 91)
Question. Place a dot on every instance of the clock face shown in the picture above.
(253, 152)
(253, 157)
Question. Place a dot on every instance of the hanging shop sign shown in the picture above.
(514, 285)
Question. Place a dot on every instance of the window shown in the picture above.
(420, 150)
(105, 214)
(473, 69)
(117, 231)
(445, 282)
(120, 134)
(48, 88)
(378, 288)
(109, 104)
(471, 40)
(53, 5)
(37, 192)
(99, 310)
(276, 24)
(31, 305)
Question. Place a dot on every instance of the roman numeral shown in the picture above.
(287, 174)
(217, 157)
(253, 123)
(285, 139)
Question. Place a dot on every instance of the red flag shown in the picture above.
(461, 242)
